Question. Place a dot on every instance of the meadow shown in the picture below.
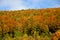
(31, 24)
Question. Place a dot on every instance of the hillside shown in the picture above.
(31, 24)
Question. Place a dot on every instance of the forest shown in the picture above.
(30, 24)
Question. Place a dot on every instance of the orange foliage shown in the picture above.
(7, 23)
(56, 35)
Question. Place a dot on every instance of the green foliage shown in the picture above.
(18, 34)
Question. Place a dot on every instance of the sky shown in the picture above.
(28, 4)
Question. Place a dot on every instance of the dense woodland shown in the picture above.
(31, 24)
